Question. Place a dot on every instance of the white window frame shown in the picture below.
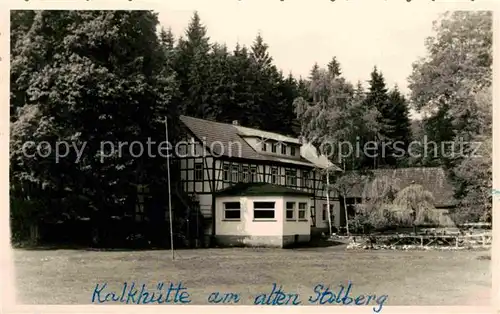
(226, 172)
(245, 173)
(274, 148)
(302, 210)
(275, 175)
(305, 179)
(324, 214)
(293, 210)
(291, 177)
(257, 209)
(225, 209)
(235, 170)
(197, 171)
(253, 174)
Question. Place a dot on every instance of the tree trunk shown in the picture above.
(346, 214)
(34, 234)
(328, 203)
(414, 221)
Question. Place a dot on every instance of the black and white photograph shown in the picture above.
(317, 153)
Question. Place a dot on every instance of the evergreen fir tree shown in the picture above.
(334, 68)
(313, 75)
(193, 68)
(398, 128)
(266, 88)
(260, 54)
(286, 121)
(302, 89)
(378, 99)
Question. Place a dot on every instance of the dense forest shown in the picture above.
(94, 76)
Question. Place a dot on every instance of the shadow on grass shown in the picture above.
(484, 258)
(88, 248)
(49, 247)
(317, 244)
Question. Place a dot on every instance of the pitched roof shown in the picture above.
(259, 189)
(264, 134)
(433, 179)
(223, 139)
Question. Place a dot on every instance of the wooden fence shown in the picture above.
(470, 235)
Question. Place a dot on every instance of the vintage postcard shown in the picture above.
(260, 153)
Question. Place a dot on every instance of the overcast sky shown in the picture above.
(299, 33)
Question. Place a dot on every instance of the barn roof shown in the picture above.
(433, 179)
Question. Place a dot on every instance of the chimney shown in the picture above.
(235, 122)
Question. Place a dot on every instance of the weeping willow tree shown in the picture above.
(387, 205)
(414, 205)
(381, 190)
(375, 211)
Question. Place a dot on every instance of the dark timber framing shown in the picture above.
(213, 182)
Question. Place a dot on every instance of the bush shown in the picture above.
(467, 214)
(23, 220)
(372, 217)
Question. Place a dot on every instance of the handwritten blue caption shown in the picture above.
(177, 294)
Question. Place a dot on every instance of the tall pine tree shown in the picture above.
(266, 88)
(378, 99)
(193, 68)
(398, 129)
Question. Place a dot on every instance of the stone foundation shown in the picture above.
(261, 241)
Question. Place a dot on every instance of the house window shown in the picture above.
(234, 173)
(292, 151)
(232, 211)
(225, 173)
(142, 193)
(198, 171)
(263, 210)
(253, 174)
(274, 147)
(290, 210)
(264, 147)
(244, 174)
(283, 149)
(305, 178)
(274, 175)
(302, 211)
(260, 174)
(325, 211)
(291, 177)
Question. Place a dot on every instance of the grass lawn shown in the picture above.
(407, 277)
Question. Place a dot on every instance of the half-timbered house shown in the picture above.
(215, 156)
